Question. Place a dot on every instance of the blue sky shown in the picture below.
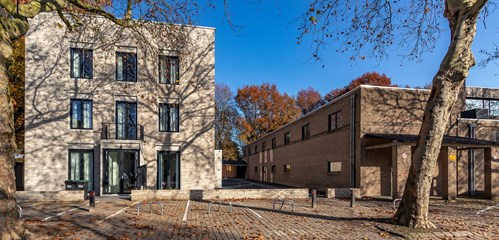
(265, 50)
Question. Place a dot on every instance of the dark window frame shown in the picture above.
(168, 117)
(256, 149)
(86, 69)
(273, 169)
(305, 131)
(80, 125)
(179, 156)
(287, 138)
(136, 120)
(274, 143)
(92, 169)
(168, 78)
(287, 168)
(338, 120)
(263, 146)
(128, 71)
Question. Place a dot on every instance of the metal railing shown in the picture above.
(122, 131)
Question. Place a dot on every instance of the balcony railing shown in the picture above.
(122, 131)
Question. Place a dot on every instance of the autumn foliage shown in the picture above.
(369, 78)
(308, 100)
(15, 67)
(263, 110)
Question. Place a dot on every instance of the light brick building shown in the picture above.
(365, 138)
(115, 106)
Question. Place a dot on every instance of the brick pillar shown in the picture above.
(448, 159)
(401, 162)
(491, 173)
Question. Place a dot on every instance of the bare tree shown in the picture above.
(225, 122)
(14, 16)
(373, 26)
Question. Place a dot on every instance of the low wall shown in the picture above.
(138, 195)
(46, 196)
(342, 192)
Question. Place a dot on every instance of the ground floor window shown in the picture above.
(81, 165)
(168, 170)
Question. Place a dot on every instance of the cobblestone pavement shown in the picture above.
(254, 219)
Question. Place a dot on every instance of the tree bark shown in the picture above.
(10, 224)
(447, 84)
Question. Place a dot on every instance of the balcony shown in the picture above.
(122, 131)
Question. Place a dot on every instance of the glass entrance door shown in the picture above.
(120, 169)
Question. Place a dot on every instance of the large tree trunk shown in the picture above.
(10, 224)
(447, 83)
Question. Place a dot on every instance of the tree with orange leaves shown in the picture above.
(369, 78)
(263, 109)
(308, 100)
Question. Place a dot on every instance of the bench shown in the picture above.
(283, 201)
(150, 206)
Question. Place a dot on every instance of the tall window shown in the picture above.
(126, 120)
(168, 170)
(81, 61)
(287, 138)
(126, 66)
(81, 165)
(81, 114)
(335, 120)
(274, 143)
(305, 131)
(169, 69)
(256, 148)
(263, 146)
(168, 117)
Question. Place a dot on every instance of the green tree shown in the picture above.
(373, 26)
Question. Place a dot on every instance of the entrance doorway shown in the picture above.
(120, 170)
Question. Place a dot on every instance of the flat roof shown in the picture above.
(447, 139)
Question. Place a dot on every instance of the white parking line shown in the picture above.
(486, 209)
(118, 212)
(61, 213)
(186, 209)
(249, 209)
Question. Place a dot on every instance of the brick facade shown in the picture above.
(350, 156)
(50, 88)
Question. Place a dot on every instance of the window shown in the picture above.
(81, 165)
(273, 168)
(168, 69)
(126, 66)
(335, 120)
(263, 146)
(168, 170)
(305, 131)
(81, 63)
(287, 168)
(274, 143)
(168, 117)
(287, 138)
(81, 114)
(256, 169)
(490, 104)
(126, 120)
(256, 149)
(333, 167)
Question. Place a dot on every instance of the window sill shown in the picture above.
(81, 78)
(81, 129)
(333, 173)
